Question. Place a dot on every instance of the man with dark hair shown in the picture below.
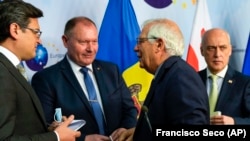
(22, 117)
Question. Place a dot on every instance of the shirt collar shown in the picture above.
(11, 56)
(76, 67)
(221, 74)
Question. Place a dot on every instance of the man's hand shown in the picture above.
(65, 133)
(55, 124)
(96, 137)
(221, 120)
(116, 134)
(127, 135)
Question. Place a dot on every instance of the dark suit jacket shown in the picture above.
(177, 96)
(21, 113)
(234, 97)
(57, 86)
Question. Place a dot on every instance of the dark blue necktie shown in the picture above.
(93, 100)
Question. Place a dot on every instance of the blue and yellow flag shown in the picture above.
(117, 39)
(246, 64)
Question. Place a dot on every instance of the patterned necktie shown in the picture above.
(213, 94)
(93, 100)
(21, 69)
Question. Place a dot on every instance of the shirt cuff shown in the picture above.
(57, 135)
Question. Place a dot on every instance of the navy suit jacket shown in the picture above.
(21, 113)
(177, 96)
(234, 97)
(57, 86)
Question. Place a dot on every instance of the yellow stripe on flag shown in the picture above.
(138, 80)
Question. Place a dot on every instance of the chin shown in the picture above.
(141, 66)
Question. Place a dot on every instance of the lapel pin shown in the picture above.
(230, 81)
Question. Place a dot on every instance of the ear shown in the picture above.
(202, 50)
(14, 30)
(159, 44)
(231, 48)
(65, 40)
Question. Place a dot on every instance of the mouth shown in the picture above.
(87, 55)
(138, 55)
(216, 62)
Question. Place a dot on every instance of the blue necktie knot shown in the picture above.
(84, 70)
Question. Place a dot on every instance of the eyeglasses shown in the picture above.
(141, 40)
(35, 31)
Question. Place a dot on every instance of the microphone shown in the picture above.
(145, 110)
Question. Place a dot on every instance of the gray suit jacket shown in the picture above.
(21, 117)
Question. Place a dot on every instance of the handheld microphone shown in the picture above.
(145, 110)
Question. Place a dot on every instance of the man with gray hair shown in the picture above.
(176, 95)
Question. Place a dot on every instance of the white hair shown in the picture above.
(169, 32)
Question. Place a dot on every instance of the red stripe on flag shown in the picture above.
(192, 58)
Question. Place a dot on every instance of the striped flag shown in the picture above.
(202, 22)
(117, 39)
(246, 64)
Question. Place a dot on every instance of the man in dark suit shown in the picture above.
(62, 85)
(176, 95)
(233, 88)
(21, 113)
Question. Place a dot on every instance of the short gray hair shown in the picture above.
(169, 32)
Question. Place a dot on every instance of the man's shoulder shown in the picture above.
(238, 75)
(104, 63)
(50, 70)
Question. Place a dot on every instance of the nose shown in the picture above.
(39, 41)
(136, 48)
(217, 51)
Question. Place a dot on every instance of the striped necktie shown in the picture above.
(21, 69)
(93, 100)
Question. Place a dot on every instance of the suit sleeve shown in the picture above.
(12, 102)
(245, 118)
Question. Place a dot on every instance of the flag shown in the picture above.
(117, 39)
(201, 24)
(246, 64)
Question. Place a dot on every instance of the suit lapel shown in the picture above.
(203, 75)
(226, 89)
(147, 100)
(22, 81)
(101, 83)
(150, 93)
(70, 76)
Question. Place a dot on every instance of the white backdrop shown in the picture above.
(231, 15)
